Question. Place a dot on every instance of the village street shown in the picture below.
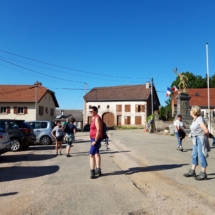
(142, 174)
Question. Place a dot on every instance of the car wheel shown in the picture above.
(45, 140)
(16, 145)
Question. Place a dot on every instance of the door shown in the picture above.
(119, 120)
(108, 118)
(89, 120)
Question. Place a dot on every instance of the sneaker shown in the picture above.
(181, 148)
(68, 155)
(98, 172)
(178, 148)
(92, 174)
(191, 173)
(201, 176)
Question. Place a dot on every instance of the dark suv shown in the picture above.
(19, 132)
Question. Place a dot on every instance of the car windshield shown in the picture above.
(23, 124)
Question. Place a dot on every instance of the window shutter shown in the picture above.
(119, 108)
(126, 120)
(129, 120)
(127, 108)
(142, 108)
(15, 110)
(136, 108)
(138, 120)
(8, 110)
(25, 110)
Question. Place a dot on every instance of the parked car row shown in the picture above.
(18, 134)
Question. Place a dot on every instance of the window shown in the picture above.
(127, 108)
(127, 120)
(20, 110)
(51, 112)
(140, 108)
(46, 110)
(41, 110)
(25, 110)
(3, 109)
(119, 108)
(89, 106)
(138, 120)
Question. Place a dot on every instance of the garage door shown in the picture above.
(108, 118)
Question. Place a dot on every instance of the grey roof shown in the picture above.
(118, 93)
(77, 114)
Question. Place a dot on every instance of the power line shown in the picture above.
(39, 72)
(68, 68)
(36, 75)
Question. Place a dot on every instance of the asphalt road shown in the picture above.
(142, 174)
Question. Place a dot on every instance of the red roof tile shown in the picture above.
(199, 97)
(23, 93)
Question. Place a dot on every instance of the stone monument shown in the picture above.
(183, 98)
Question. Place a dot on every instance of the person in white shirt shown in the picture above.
(179, 125)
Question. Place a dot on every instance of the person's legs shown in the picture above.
(56, 147)
(60, 146)
(191, 172)
(92, 159)
(98, 160)
(178, 139)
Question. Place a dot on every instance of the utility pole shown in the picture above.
(86, 87)
(208, 86)
(152, 102)
(36, 84)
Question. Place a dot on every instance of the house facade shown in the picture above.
(199, 97)
(27, 102)
(121, 105)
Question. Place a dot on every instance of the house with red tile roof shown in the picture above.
(199, 97)
(27, 102)
(121, 105)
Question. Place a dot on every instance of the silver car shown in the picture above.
(5, 142)
(42, 129)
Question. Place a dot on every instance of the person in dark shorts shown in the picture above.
(95, 139)
(70, 131)
(58, 135)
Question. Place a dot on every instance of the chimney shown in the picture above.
(147, 85)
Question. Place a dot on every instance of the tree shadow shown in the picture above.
(153, 168)
(25, 172)
(8, 194)
(25, 157)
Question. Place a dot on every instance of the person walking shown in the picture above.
(70, 130)
(151, 123)
(179, 129)
(58, 135)
(199, 134)
(95, 139)
(104, 135)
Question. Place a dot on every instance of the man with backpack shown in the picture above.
(179, 131)
(96, 136)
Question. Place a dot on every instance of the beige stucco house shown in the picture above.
(121, 105)
(27, 102)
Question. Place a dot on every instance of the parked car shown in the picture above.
(19, 132)
(42, 130)
(5, 142)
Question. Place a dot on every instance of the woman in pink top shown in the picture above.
(95, 139)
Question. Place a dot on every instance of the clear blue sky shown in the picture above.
(139, 39)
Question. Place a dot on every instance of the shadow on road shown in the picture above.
(25, 172)
(8, 194)
(101, 152)
(25, 157)
(134, 170)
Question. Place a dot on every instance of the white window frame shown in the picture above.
(20, 110)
